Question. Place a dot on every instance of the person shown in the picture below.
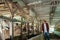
(17, 30)
(45, 30)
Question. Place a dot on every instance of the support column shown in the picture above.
(10, 6)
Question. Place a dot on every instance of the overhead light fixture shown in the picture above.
(7, 15)
(56, 19)
(52, 25)
(52, 14)
(17, 17)
(34, 3)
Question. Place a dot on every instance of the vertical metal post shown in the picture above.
(40, 25)
(21, 27)
(12, 30)
(33, 27)
(38, 28)
(21, 30)
(28, 29)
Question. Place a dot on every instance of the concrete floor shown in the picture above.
(41, 38)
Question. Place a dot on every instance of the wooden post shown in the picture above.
(10, 5)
